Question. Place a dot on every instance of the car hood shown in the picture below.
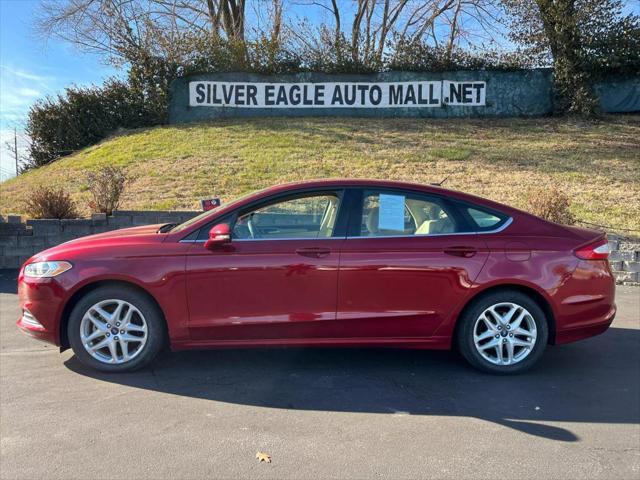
(144, 230)
(105, 242)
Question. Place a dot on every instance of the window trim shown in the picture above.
(431, 235)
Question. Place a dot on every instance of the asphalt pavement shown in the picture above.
(321, 413)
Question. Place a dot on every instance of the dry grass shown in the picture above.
(596, 164)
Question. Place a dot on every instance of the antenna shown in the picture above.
(439, 184)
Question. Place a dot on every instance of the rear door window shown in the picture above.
(397, 213)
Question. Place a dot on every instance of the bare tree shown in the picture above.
(276, 21)
(374, 22)
(125, 29)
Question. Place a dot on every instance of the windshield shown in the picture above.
(207, 213)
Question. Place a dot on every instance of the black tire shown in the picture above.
(156, 327)
(467, 320)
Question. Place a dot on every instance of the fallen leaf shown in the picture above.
(263, 457)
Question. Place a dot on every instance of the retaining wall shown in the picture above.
(625, 260)
(20, 240)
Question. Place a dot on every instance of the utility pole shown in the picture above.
(15, 147)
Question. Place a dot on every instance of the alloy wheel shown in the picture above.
(505, 333)
(113, 331)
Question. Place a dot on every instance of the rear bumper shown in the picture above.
(586, 302)
(589, 329)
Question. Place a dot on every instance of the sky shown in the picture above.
(31, 68)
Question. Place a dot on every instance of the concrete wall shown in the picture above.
(508, 94)
(19, 241)
(625, 260)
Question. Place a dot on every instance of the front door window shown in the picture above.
(310, 217)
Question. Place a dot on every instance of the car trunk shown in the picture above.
(584, 235)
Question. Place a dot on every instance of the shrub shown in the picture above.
(419, 56)
(49, 202)
(106, 186)
(550, 204)
(83, 116)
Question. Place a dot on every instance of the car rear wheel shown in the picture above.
(116, 329)
(504, 332)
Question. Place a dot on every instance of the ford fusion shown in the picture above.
(326, 263)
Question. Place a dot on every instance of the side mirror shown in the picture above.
(218, 235)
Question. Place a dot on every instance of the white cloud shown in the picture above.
(28, 92)
(16, 94)
(25, 75)
(18, 90)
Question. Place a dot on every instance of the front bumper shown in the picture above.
(41, 302)
(30, 326)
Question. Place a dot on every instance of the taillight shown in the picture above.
(594, 251)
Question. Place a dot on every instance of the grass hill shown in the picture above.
(597, 164)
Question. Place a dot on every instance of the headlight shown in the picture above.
(46, 269)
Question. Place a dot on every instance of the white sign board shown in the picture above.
(414, 94)
(391, 212)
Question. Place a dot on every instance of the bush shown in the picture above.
(83, 116)
(550, 204)
(325, 54)
(106, 186)
(49, 202)
(263, 55)
(422, 57)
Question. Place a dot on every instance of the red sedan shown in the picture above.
(326, 263)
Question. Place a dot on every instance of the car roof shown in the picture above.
(377, 183)
(353, 182)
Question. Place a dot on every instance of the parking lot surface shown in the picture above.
(322, 413)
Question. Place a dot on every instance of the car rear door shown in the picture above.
(277, 279)
(408, 260)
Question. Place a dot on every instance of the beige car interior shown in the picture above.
(425, 218)
(329, 219)
(282, 219)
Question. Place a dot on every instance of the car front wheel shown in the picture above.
(504, 332)
(116, 329)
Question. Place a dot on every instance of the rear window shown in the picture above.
(485, 220)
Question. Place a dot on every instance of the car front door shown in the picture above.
(407, 261)
(276, 279)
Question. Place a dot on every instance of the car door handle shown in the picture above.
(313, 252)
(466, 252)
